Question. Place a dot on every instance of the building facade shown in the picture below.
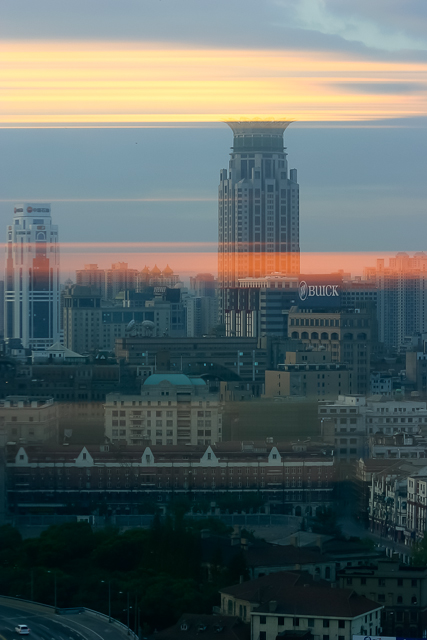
(309, 374)
(258, 207)
(346, 333)
(123, 479)
(172, 409)
(29, 420)
(32, 292)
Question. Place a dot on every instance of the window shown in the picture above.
(363, 581)
(310, 622)
(280, 621)
(296, 622)
(263, 619)
(325, 624)
(341, 624)
(381, 582)
(262, 635)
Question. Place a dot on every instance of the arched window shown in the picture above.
(304, 335)
(324, 336)
(295, 335)
(314, 335)
(361, 336)
(414, 600)
(334, 336)
(348, 336)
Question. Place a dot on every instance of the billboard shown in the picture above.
(318, 291)
(32, 208)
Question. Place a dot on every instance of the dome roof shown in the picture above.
(176, 379)
(167, 271)
(155, 270)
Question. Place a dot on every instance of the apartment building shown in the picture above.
(171, 409)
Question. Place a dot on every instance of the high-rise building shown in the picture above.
(92, 276)
(401, 298)
(119, 278)
(258, 208)
(32, 300)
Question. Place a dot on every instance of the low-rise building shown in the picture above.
(288, 602)
(401, 589)
(32, 420)
(124, 478)
(354, 418)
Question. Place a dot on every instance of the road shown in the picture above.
(45, 624)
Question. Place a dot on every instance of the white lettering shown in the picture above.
(311, 290)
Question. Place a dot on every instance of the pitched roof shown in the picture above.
(293, 594)
(313, 602)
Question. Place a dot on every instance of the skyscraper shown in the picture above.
(258, 208)
(32, 300)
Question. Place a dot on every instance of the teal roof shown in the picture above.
(198, 382)
(175, 379)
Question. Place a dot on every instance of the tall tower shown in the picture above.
(258, 208)
(32, 299)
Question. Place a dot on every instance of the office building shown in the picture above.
(258, 208)
(32, 297)
(309, 374)
(90, 326)
(348, 334)
(202, 315)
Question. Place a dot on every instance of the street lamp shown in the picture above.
(55, 589)
(109, 599)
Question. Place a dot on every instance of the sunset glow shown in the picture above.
(51, 84)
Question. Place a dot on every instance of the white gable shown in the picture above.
(21, 457)
(274, 456)
(84, 459)
(147, 457)
(209, 457)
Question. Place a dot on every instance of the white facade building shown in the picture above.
(172, 409)
(32, 295)
(353, 418)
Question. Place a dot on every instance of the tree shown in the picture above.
(419, 553)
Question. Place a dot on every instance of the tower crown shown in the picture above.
(261, 136)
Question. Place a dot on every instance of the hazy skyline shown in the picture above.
(353, 78)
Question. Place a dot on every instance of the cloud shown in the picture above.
(384, 24)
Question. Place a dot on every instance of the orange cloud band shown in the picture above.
(122, 84)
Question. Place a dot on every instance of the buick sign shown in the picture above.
(317, 290)
(303, 290)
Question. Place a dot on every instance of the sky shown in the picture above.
(114, 112)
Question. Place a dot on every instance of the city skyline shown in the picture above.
(353, 79)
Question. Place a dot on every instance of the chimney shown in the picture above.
(272, 606)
